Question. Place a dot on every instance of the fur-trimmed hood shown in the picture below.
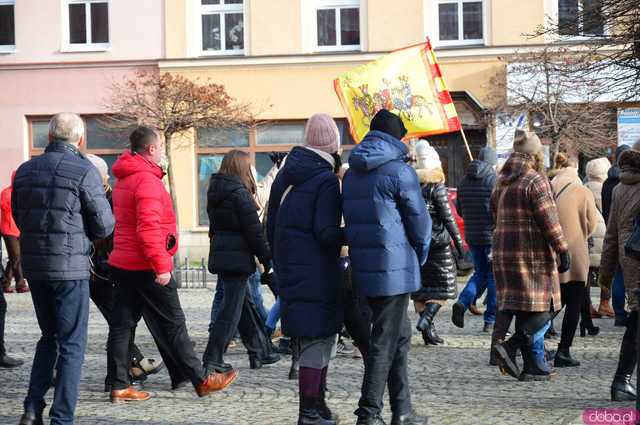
(430, 175)
(597, 169)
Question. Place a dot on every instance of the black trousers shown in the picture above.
(357, 314)
(501, 327)
(386, 361)
(3, 315)
(138, 294)
(573, 299)
(239, 312)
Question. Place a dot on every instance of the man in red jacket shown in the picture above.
(145, 241)
(11, 235)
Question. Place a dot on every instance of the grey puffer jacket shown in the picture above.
(59, 205)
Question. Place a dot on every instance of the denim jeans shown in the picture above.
(255, 292)
(482, 279)
(274, 315)
(538, 341)
(62, 309)
(619, 294)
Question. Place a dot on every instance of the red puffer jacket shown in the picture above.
(7, 224)
(145, 236)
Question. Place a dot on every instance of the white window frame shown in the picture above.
(221, 9)
(9, 48)
(460, 41)
(336, 5)
(67, 46)
(556, 17)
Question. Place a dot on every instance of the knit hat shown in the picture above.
(321, 132)
(526, 142)
(488, 155)
(388, 123)
(597, 169)
(426, 156)
(100, 164)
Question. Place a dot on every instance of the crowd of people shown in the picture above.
(342, 247)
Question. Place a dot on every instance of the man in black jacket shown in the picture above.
(59, 205)
(474, 199)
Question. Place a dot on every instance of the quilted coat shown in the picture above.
(527, 238)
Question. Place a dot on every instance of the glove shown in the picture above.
(277, 157)
(565, 262)
(604, 282)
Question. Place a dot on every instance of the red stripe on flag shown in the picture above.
(454, 123)
(444, 97)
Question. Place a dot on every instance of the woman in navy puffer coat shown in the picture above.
(303, 228)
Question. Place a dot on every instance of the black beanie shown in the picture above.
(388, 123)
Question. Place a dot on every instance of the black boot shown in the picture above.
(534, 368)
(493, 357)
(425, 324)
(267, 359)
(309, 414)
(7, 362)
(506, 354)
(295, 366)
(323, 409)
(411, 418)
(621, 388)
(374, 420)
(31, 418)
(563, 358)
(457, 314)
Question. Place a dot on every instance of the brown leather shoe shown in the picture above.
(594, 314)
(216, 382)
(605, 309)
(129, 394)
(474, 310)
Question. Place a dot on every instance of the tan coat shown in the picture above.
(578, 218)
(597, 170)
(625, 207)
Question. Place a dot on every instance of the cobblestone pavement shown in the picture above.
(452, 384)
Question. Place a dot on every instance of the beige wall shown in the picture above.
(391, 28)
(275, 27)
(512, 20)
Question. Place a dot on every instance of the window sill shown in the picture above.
(7, 50)
(85, 48)
(339, 49)
(458, 44)
(220, 53)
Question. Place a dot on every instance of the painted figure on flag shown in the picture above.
(406, 82)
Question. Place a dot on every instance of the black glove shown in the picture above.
(277, 157)
(565, 262)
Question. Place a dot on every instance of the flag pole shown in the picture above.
(466, 143)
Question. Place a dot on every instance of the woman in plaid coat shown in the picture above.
(526, 241)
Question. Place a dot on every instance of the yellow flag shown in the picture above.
(407, 82)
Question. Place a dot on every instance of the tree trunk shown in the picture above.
(174, 198)
(553, 151)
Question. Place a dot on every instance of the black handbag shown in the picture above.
(632, 245)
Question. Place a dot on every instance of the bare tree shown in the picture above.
(559, 106)
(173, 104)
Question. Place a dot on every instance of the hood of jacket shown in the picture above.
(431, 175)
(516, 166)
(221, 186)
(597, 169)
(128, 164)
(568, 174)
(630, 167)
(376, 149)
(477, 170)
(303, 164)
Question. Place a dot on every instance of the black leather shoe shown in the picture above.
(375, 420)
(410, 418)
(257, 363)
(31, 418)
(457, 314)
(217, 367)
(621, 389)
(563, 359)
(7, 362)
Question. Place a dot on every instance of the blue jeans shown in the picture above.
(62, 309)
(538, 341)
(255, 293)
(482, 279)
(274, 315)
(618, 294)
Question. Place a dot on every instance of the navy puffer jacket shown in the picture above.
(388, 228)
(303, 228)
(474, 202)
(59, 205)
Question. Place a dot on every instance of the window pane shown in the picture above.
(40, 133)
(232, 1)
(448, 21)
(210, 1)
(263, 164)
(222, 138)
(7, 26)
(568, 17)
(102, 134)
(345, 134)
(327, 27)
(593, 19)
(472, 20)
(77, 24)
(281, 134)
(207, 165)
(99, 23)
(234, 28)
(350, 26)
(211, 32)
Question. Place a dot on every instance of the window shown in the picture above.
(222, 26)
(337, 25)
(101, 139)
(7, 26)
(276, 136)
(460, 22)
(86, 25)
(580, 18)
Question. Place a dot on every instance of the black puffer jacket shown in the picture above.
(235, 230)
(474, 202)
(438, 275)
(59, 206)
(613, 178)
